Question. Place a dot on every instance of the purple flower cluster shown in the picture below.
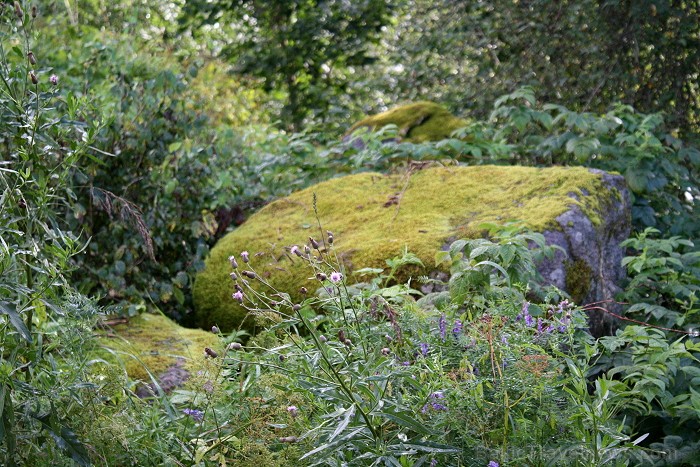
(433, 403)
(424, 349)
(197, 415)
(525, 315)
(442, 325)
(457, 328)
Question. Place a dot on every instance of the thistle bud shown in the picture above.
(282, 358)
(330, 236)
(288, 439)
(249, 274)
(347, 342)
(386, 351)
(211, 353)
(234, 346)
(215, 329)
(321, 276)
(341, 335)
(296, 307)
(32, 76)
(18, 11)
(31, 57)
(234, 263)
(233, 276)
(314, 243)
(307, 250)
(245, 256)
(303, 291)
(388, 338)
(34, 11)
(322, 338)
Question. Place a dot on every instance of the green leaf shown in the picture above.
(16, 320)
(405, 421)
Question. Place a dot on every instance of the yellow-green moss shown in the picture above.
(578, 279)
(154, 343)
(417, 123)
(435, 205)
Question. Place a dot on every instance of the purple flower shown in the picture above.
(238, 296)
(336, 277)
(529, 321)
(457, 329)
(293, 410)
(504, 339)
(433, 463)
(197, 415)
(424, 348)
(493, 464)
(295, 250)
(245, 256)
(539, 325)
(53, 79)
(442, 325)
(437, 395)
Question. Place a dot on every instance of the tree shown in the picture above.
(306, 48)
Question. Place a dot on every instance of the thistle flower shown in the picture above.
(295, 251)
(293, 410)
(234, 346)
(238, 296)
(245, 256)
(493, 464)
(234, 263)
(336, 277)
(314, 243)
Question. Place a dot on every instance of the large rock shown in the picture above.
(375, 216)
(417, 123)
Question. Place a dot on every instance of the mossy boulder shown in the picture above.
(417, 123)
(374, 216)
(153, 345)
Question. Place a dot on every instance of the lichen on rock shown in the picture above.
(375, 216)
(417, 123)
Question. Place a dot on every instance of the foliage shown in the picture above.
(274, 45)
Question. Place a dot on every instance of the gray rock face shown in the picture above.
(591, 269)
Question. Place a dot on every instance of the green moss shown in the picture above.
(417, 123)
(578, 279)
(154, 343)
(435, 205)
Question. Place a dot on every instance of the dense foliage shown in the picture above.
(128, 148)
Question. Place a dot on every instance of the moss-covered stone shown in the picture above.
(375, 216)
(578, 279)
(155, 344)
(417, 123)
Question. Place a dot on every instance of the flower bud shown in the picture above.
(388, 338)
(296, 307)
(288, 439)
(233, 276)
(322, 338)
(314, 243)
(245, 256)
(249, 274)
(330, 236)
(307, 250)
(347, 342)
(32, 76)
(303, 291)
(341, 335)
(18, 11)
(31, 57)
(282, 358)
(234, 263)
(321, 276)
(210, 352)
(215, 329)
(234, 346)
(386, 351)
(34, 11)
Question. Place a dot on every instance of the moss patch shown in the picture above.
(155, 343)
(417, 123)
(374, 216)
(578, 279)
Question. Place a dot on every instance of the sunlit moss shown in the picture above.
(433, 206)
(154, 343)
(417, 123)
(578, 279)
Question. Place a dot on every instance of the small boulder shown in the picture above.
(374, 216)
(417, 123)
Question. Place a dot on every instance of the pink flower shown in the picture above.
(336, 277)
(238, 296)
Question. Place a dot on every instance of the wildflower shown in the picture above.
(433, 463)
(31, 57)
(406, 363)
(442, 324)
(234, 263)
(238, 296)
(295, 251)
(215, 329)
(529, 321)
(233, 276)
(303, 291)
(18, 11)
(245, 256)
(457, 329)
(493, 464)
(330, 237)
(321, 276)
(234, 346)
(293, 411)
(504, 339)
(336, 277)
(385, 351)
(539, 325)
(211, 353)
(424, 348)
(196, 415)
(437, 395)
(314, 243)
